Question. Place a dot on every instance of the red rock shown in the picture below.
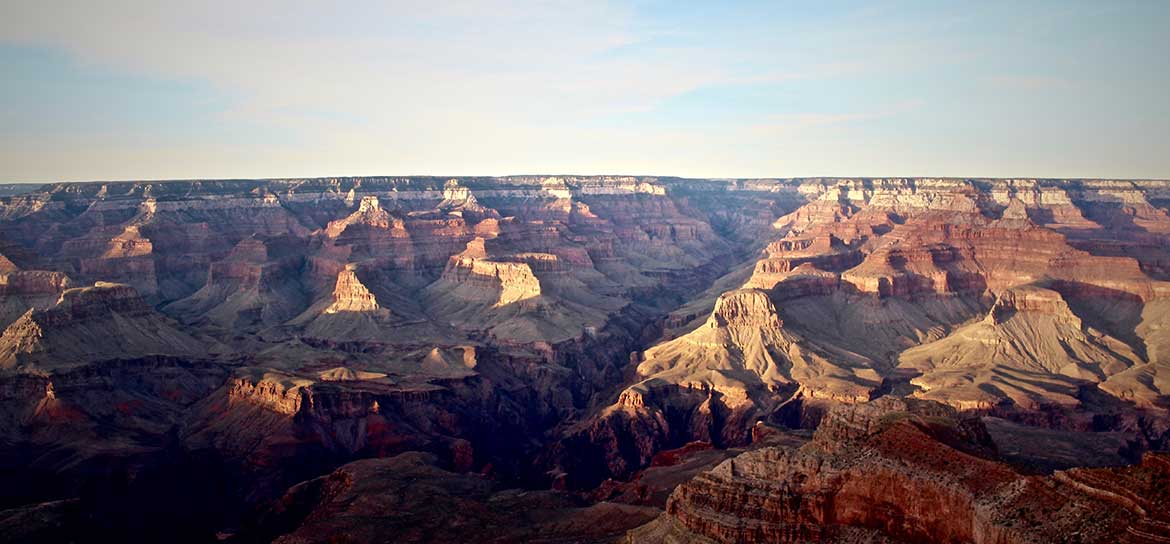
(490, 321)
(908, 472)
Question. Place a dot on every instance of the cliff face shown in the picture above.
(24, 289)
(105, 321)
(714, 383)
(568, 329)
(349, 295)
(998, 296)
(909, 472)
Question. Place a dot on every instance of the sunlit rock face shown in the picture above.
(349, 295)
(567, 331)
(986, 295)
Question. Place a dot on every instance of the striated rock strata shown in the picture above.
(908, 471)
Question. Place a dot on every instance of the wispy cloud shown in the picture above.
(298, 87)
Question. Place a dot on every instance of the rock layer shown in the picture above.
(552, 330)
(908, 472)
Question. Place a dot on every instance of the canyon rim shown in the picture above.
(585, 272)
(598, 358)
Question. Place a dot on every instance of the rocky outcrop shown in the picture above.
(521, 296)
(349, 295)
(744, 309)
(906, 471)
(988, 291)
(714, 384)
(491, 321)
(1031, 350)
(104, 321)
(21, 290)
(246, 290)
(473, 278)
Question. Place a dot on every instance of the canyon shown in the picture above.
(586, 359)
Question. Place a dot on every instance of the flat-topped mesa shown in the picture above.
(516, 280)
(350, 295)
(541, 263)
(800, 246)
(139, 272)
(950, 253)
(885, 273)
(820, 212)
(246, 289)
(744, 308)
(852, 422)
(1030, 299)
(498, 282)
(97, 301)
(825, 251)
(274, 391)
(802, 281)
(91, 244)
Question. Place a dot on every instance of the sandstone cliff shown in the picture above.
(908, 472)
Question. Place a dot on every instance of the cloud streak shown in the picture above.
(271, 88)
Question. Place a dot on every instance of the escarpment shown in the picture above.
(981, 294)
(567, 331)
(104, 321)
(907, 472)
(21, 290)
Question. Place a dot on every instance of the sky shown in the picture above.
(119, 90)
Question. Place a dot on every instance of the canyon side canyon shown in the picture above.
(586, 359)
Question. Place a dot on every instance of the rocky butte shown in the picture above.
(586, 359)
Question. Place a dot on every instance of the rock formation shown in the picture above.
(566, 331)
(908, 471)
(105, 321)
(408, 496)
(349, 295)
(1031, 348)
(21, 290)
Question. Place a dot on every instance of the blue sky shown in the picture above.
(138, 90)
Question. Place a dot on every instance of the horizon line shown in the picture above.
(638, 176)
